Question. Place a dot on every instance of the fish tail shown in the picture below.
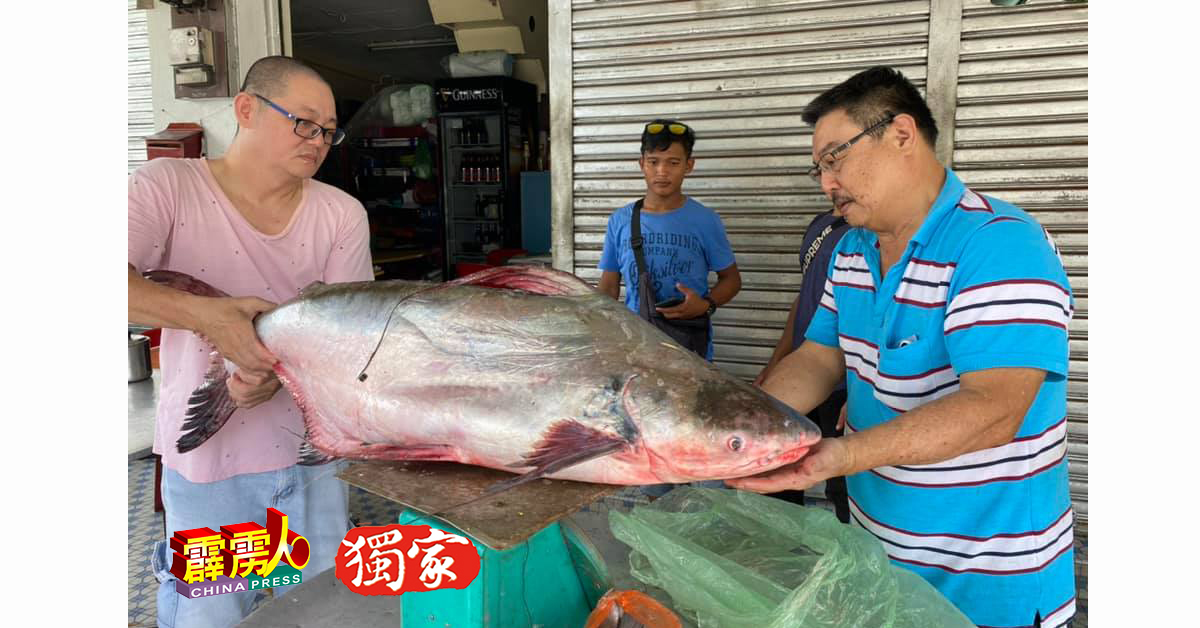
(209, 407)
(183, 282)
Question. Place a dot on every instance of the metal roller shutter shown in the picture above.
(740, 73)
(1021, 134)
(141, 109)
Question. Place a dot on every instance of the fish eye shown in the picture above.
(735, 443)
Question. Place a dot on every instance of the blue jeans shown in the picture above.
(313, 498)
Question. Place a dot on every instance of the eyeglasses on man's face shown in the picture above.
(831, 160)
(307, 128)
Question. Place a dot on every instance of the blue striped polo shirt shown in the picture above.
(980, 286)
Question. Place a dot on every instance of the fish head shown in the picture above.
(708, 425)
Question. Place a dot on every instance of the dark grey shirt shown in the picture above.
(813, 283)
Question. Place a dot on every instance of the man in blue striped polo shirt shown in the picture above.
(947, 312)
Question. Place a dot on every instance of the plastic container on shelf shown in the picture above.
(408, 104)
(479, 63)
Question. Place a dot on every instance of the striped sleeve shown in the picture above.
(1009, 302)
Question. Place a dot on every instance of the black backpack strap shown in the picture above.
(645, 293)
(635, 236)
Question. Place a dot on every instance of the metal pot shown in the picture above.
(139, 357)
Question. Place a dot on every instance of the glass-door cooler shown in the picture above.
(487, 133)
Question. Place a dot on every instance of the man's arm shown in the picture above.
(986, 411)
(227, 322)
(783, 347)
(806, 376)
(729, 283)
(610, 283)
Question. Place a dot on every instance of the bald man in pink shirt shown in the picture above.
(255, 225)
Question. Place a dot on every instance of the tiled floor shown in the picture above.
(145, 527)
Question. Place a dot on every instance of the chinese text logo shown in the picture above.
(240, 557)
(389, 560)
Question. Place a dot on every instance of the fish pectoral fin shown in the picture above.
(567, 443)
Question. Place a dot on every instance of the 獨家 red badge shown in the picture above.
(390, 560)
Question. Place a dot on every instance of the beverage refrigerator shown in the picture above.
(488, 131)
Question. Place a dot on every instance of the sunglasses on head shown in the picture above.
(676, 128)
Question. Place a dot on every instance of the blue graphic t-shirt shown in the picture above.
(681, 245)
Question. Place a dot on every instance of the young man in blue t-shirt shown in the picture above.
(682, 239)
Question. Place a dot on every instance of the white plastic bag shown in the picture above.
(481, 63)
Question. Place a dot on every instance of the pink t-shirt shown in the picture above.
(181, 220)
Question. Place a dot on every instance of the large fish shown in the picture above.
(519, 368)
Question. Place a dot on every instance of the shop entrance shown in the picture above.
(446, 113)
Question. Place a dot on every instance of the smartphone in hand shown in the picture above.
(672, 302)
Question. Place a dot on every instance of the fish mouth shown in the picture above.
(662, 468)
(774, 461)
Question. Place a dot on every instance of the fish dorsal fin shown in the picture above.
(183, 282)
(534, 279)
(306, 290)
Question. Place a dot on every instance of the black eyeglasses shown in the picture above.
(830, 161)
(307, 128)
(676, 128)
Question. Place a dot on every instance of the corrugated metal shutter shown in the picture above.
(739, 72)
(141, 108)
(1021, 134)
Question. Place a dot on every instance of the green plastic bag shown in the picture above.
(733, 559)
